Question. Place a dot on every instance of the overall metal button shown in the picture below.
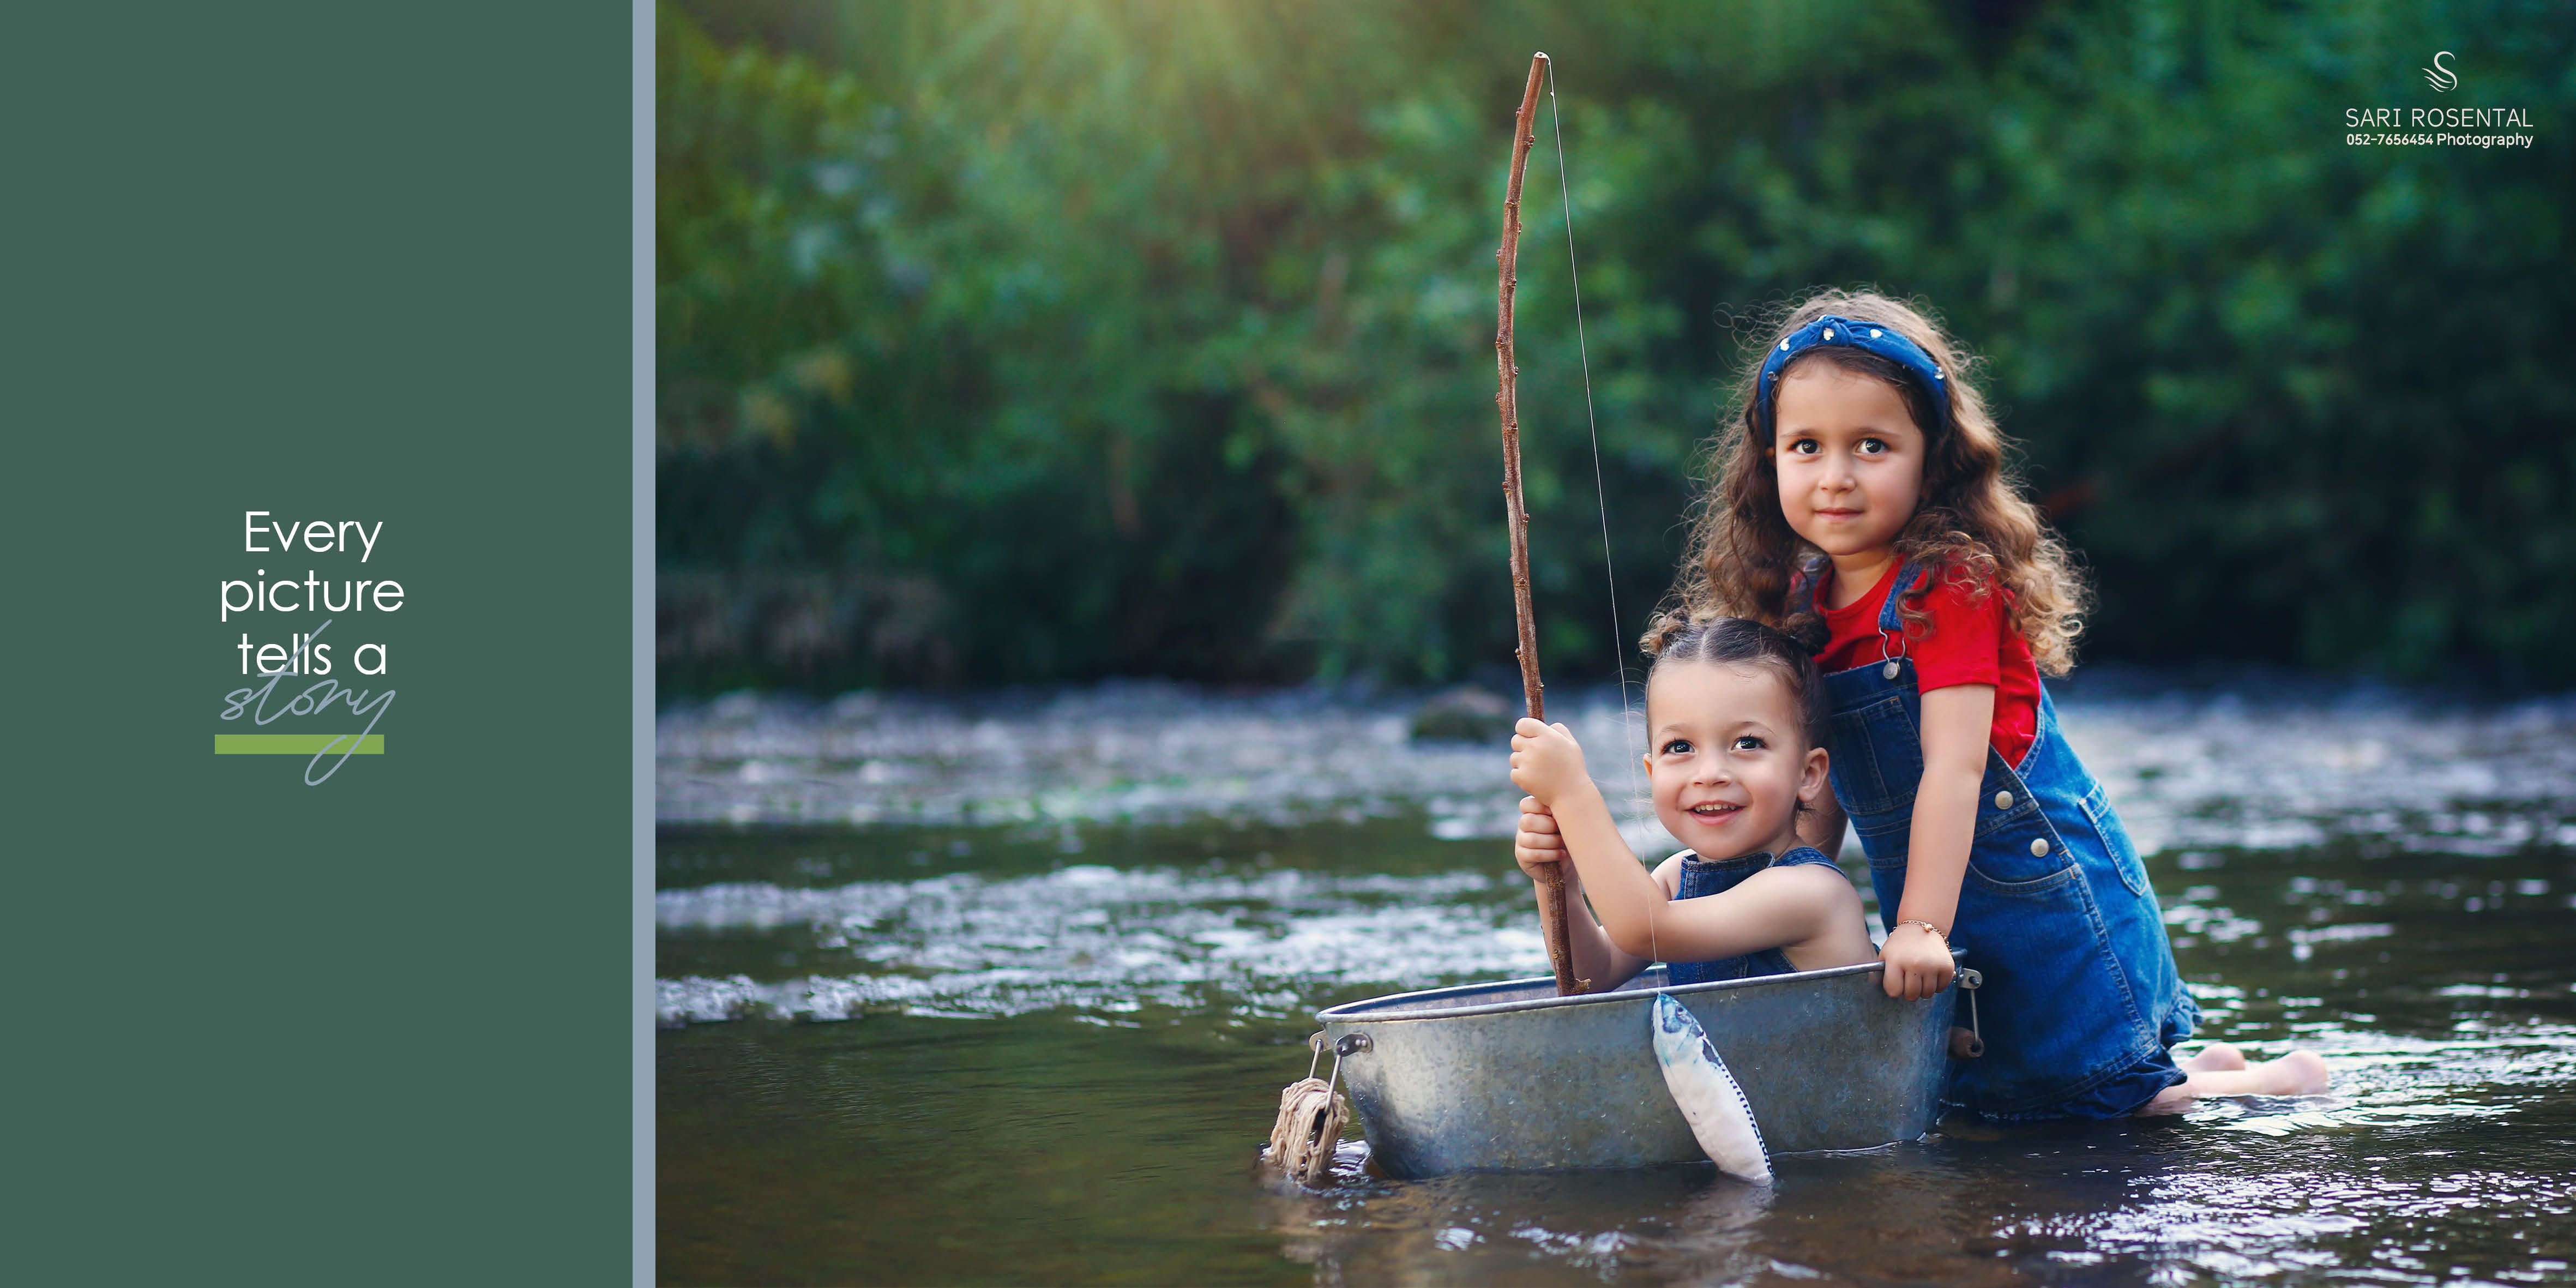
(2039, 848)
(2003, 800)
(1888, 670)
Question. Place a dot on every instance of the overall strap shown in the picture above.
(1891, 633)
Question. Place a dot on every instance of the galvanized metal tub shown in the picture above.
(1510, 1076)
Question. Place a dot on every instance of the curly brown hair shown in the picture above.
(1972, 523)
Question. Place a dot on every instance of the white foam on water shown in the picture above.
(1105, 939)
(2185, 771)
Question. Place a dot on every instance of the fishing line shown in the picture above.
(1600, 498)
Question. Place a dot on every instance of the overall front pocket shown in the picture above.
(1877, 757)
(2115, 840)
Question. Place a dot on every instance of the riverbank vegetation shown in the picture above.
(1042, 341)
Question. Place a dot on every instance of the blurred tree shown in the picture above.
(1009, 341)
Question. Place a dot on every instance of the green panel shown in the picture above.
(366, 264)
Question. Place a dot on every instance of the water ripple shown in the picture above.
(1103, 940)
(2186, 771)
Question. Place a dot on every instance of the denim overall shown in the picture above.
(2081, 997)
(1701, 876)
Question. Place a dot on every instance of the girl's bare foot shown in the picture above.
(2300, 1073)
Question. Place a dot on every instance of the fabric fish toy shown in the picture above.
(1707, 1095)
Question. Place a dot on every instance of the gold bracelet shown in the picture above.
(1937, 932)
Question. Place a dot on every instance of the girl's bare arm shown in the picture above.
(1836, 932)
(1548, 764)
(1956, 723)
(1623, 894)
(1539, 849)
(1810, 911)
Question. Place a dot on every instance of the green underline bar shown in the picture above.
(294, 744)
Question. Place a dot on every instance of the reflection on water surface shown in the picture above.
(1079, 942)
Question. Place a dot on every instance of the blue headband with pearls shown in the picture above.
(1869, 337)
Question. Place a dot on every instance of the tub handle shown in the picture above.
(1350, 1043)
(1968, 1043)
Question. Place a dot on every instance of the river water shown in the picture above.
(1003, 989)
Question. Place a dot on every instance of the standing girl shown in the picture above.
(1864, 508)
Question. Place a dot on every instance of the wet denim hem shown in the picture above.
(2115, 1092)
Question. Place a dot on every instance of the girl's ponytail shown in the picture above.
(1661, 632)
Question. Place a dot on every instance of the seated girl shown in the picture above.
(1735, 722)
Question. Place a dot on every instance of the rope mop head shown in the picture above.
(1311, 1114)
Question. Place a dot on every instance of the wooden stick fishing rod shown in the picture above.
(1551, 912)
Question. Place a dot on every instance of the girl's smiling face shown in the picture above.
(1850, 461)
(1729, 759)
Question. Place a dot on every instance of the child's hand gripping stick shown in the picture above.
(1538, 846)
(1548, 763)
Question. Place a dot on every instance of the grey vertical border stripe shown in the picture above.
(640, 618)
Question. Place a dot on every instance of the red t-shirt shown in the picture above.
(1972, 642)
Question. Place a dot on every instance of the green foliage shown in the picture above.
(1061, 339)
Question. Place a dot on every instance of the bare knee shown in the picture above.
(2215, 1057)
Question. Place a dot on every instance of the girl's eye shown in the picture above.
(1873, 446)
(1805, 447)
(1677, 747)
(1748, 742)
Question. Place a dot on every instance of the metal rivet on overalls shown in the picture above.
(1888, 670)
(2003, 800)
(2039, 848)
